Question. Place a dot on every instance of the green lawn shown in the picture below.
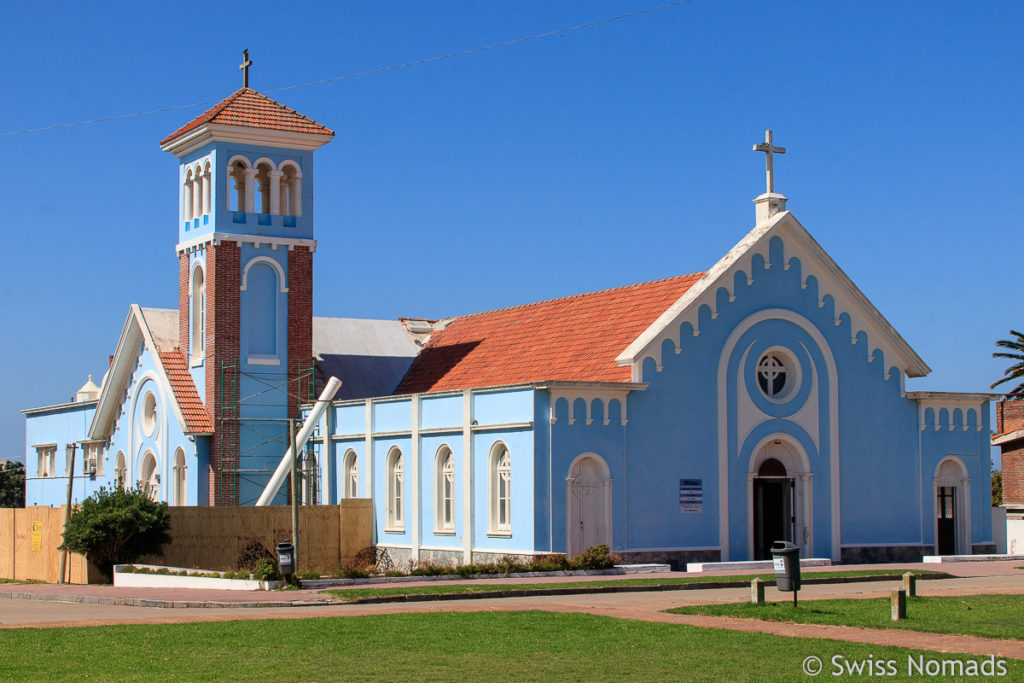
(990, 616)
(468, 646)
(445, 587)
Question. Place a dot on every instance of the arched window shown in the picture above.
(149, 478)
(444, 490)
(179, 477)
(207, 188)
(395, 491)
(309, 478)
(291, 189)
(261, 308)
(186, 196)
(238, 176)
(120, 471)
(499, 490)
(198, 313)
(350, 482)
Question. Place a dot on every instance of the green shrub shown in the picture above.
(116, 526)
(309, 574)
(597, 557)
(266, 570)
(163, 571)
(349, 572)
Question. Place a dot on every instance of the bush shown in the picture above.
(251, 553)
(597, 557)
(116, 526)
(266, 570)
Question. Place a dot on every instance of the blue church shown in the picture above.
(694, 418)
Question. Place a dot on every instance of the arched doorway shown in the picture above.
(952, 508)
(779, 498)
(588, 499)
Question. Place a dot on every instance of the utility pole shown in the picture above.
(70, 450)
(295, 492)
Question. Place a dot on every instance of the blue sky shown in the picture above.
(596, 158)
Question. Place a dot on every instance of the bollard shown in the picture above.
(899, 604)
(910, 584)
(757, 592)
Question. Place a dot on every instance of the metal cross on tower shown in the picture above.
(769, 149)
(244, 66)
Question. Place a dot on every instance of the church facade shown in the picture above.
(699, 417)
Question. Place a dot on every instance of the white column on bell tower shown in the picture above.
(207, 196)
(250, 190)
(275, 192)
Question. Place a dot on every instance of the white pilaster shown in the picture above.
(414, 475)
(467, 476)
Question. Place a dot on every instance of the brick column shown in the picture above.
(223, 274)
(300, 324)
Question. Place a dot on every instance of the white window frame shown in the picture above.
(396, 491)
(46, 460)
(350, 475)
(444, 491)
(499, 490)
(92, 458)
(121, 470)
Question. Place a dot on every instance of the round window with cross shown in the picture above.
(776, 375)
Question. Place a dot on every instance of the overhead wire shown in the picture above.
(368, 72)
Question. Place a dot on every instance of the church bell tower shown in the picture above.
(245, 248)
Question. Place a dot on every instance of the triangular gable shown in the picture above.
(814, 262)
(136, 332)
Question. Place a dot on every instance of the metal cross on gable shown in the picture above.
(769, 150)
(244, 66)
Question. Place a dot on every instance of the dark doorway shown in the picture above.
(773, 508)
(946, 506)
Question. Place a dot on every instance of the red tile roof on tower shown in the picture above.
(250, 109)
(197, 421)
(574, 339)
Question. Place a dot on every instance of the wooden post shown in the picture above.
(70, 450)
(910, 584)
(757, 591)
(899, 604)
(295, 495)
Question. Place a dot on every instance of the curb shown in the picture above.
(430, 597)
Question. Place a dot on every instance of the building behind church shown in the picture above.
(698, 417)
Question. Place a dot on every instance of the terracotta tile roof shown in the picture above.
(248, 108)
(197, 421)
(574, 339)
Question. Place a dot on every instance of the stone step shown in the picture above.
(752, 565)
(941, 559)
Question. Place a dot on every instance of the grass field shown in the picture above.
(469, 646)
(444, 587)
(990, 616)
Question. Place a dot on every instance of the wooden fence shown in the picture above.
(202, 537)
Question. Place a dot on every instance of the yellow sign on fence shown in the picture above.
(37, 536)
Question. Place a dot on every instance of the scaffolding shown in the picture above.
(247, 431)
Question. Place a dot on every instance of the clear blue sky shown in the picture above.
(597, 158)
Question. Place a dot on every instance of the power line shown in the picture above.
(370, 72)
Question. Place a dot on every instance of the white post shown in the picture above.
(296, 196)
(250, 190)
(275, 192)
(207, 197)
(281, 473)
(197, 197)
(186, 201)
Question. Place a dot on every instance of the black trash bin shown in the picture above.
(786, 562)
(286, 558)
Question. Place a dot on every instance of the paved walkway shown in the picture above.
(976, 578)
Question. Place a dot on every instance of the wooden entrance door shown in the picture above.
(586, 502)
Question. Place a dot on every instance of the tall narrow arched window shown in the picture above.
(395, 491)
(186, 196)
(179, 477)
(207, 188)
(291, 189)
(263, 171)
(499, 490)
(260, 306)
(120, 471)
(149, 478)
(444, 490)
(238, 178)
(350, 480)
(198, 313)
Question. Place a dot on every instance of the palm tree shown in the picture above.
(1016, 371)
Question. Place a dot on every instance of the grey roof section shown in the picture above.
(370, 357)
(163, 325)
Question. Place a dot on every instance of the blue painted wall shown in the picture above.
(60, 426)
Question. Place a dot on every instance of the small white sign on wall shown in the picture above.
(691, 496)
